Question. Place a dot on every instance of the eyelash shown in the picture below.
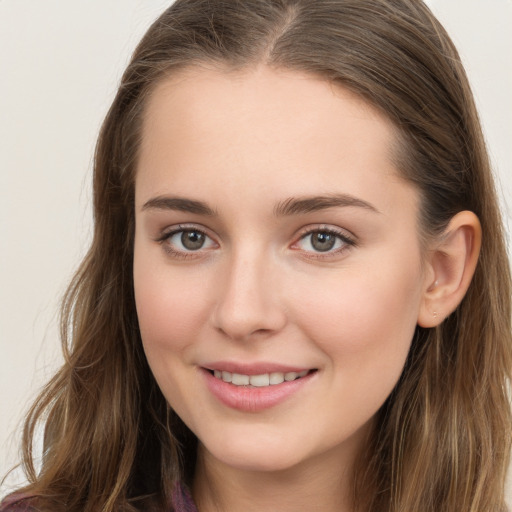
(346, 240)
(168, 248)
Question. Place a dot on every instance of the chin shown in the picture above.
(255, 455)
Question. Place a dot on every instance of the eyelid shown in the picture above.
(170, 231)
(348, 239)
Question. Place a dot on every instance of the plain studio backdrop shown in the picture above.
(60, 63)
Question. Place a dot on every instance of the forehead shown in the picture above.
(202, 94)
(282, 128)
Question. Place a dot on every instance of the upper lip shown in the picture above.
(253, 368)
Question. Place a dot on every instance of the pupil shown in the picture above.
(323, 241)
(192, 240)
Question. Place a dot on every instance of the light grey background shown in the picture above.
(60, 62)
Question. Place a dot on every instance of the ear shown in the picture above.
(451, 263)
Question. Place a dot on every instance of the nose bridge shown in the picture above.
(248, 300)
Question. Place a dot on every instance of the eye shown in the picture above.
(324, 241)
(190, 240)
(182, 240)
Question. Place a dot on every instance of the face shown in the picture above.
(277, 267)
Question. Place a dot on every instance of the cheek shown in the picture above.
(162, 316)
(365, 317)
(170, 305)
(365, 328)
(170, 314)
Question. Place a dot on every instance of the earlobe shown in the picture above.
(452, 262)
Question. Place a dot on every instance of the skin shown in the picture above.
(257, 290)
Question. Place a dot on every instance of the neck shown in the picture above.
(313, 485)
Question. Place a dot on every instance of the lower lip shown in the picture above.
(253, 399)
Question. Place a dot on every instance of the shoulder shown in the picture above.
(182, 499)
(17, 503)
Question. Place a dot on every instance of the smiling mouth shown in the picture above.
(259, 381)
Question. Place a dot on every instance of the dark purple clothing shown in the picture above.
(16, 503)
(182, 500)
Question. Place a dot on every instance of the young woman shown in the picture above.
(298, 294)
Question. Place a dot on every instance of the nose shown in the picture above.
(249, 299)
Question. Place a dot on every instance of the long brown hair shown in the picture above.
(442, 439)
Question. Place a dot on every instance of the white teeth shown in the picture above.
(260, 380)
(276, 378)
(240, 380)
(263, 380)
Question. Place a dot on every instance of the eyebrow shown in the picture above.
(290, 206)
(180, 204)
(301, 205)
